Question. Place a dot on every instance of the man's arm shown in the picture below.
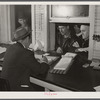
(82, 49)
(36, 67)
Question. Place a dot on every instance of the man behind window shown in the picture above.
(19, 63)
(82, 51)
(65, 40)
(85, 36)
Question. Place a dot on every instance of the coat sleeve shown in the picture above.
(35, 67)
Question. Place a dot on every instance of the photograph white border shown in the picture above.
(50, 95)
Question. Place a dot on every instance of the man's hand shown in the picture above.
(59, 50)
(75, 44)
(44, 59)
(85, 65)
(82, 49)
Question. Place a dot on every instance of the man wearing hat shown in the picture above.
(19, 63)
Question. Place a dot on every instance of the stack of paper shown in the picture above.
(96, 65)
(63, 63)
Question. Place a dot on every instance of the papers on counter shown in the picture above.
(39, 45)
(2, 59)
(2, 49)
(64, 64)
(0, 68)
(97, 88)
(95, 64)
(69, 54)
(51, 59)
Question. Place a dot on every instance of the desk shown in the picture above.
(47, 85)
(76, 79)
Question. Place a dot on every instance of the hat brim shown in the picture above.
(21, 37)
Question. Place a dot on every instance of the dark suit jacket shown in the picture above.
(82, 57)
(19, 64)
(65, 43)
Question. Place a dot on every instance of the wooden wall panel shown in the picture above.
(96, 51)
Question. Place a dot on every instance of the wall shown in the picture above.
(52, 36)
(22, 11)
(96, 48)
(5, 27)
(4, 24)
(40, 25)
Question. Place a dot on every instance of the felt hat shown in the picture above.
(21, 33)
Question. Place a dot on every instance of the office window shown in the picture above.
(62, 11)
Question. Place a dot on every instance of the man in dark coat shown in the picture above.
(19, 63)
(65, 40)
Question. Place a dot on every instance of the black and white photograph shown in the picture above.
(50, 47)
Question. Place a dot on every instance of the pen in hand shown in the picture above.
(44, 59)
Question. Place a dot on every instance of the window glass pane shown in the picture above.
(61, 11)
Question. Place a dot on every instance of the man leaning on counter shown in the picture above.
(19, 63)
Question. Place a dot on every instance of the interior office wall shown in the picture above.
(40, 25)
(22, 11)
(52, 36)
(96, 46)
(6, 27)
(5, 24)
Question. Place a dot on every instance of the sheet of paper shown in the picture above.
(63, 64)
(2, 49)
(95, 64)
(0, 68)
(39, 45)
(2, 59)
(51, 59)
(97, 88)
(38, 56)
(70, 54)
